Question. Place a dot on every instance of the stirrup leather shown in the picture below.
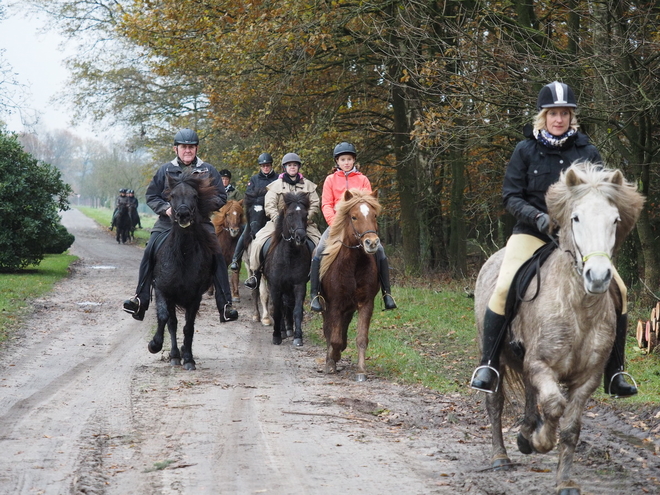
(486, 366)
(624, 373)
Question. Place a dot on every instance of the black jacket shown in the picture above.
(158, 184)
(533, 168)
(256, 188)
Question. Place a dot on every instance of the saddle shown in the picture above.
(266, 247)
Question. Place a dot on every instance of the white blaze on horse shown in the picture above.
(563, 336)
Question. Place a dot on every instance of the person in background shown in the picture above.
(122, 198)
(133, 201)
(346, 176)
(233, 194)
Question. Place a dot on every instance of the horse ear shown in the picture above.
(374, 194)
(347, 195)
(572, 178)
(240, 202)
(617, 178)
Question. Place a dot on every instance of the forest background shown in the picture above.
(434, 95)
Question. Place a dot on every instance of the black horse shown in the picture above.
(287, 267)
(123, 223)
(135, 219)
(183, 265)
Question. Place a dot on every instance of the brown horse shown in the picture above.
(560, 339)
(349, 276)
(228, 222)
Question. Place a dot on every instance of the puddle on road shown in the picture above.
(104, 267)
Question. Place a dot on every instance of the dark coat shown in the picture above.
(158, 184)
(533, 168)
(256, 188)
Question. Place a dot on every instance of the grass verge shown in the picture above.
(103, 216)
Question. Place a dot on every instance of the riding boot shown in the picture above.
(614, 381)
(139, 303)
(253, 281)
(384, 276)
(317, 300)
(223, 290)
(235, 264)
(486, 377)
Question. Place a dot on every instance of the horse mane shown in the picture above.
(290, 198)
(583, 177)
(340, 223)
(219, 217)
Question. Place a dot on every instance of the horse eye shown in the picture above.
(575, 218)
(617, 220)
(353, 218)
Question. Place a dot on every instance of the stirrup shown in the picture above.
(132, 311)
(318, 297)
(474, 374)
(624, 373)
(252, 282)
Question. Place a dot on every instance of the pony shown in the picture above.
(183, 265)
(349, 276)
(561, 337)
(123, 223)
(228, 223)
(256, 215)
(135, 219)
(286, 267)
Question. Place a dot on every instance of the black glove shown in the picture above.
(543, 223)
(254, 227)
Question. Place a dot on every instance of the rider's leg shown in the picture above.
(138, 304)
(317, 303)
(235, 264)
(519, 249)
(614, 381)
(255, 254)
(223, 290)
(114, 219)
(384, 276)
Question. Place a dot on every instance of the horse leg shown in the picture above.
(156, 343)
(569, 434)
(172, 325)
(278, 326)
(188, 333)
(299, 294)
(362, 341)
(264, 296)
(494, 405)
(235, 296)
(335, 329)
(551, 403)
(531, 420)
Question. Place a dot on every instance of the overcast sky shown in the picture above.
(37, 59)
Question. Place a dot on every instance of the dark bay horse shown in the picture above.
(562, 335)
(256, 216)
(123, 223)
(183, 266)
(228, 223)
(349, 276)
(287, 267)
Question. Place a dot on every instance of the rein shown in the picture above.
(358, 236)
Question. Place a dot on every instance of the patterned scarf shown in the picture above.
(291, 180)
(557, 142)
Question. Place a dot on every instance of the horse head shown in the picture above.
(190, 195)
(294, 218)
(595, 209)
(229, 218)
(363, 212)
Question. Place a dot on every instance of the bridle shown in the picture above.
(579, 267)
(358, 236)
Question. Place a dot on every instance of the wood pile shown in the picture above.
(649, 331)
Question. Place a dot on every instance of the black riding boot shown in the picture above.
(139, 303)
(384, 276)
(314, 292)
(235, 264)
(253, 281)
(223, 291)
(486, 376)
(614, 381)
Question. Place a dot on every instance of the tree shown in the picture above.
(31, 195)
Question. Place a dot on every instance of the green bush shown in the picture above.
(31, 195)
(61, 241)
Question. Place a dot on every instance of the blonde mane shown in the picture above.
(341, 223)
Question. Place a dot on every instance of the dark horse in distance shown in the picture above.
(123, 223)
(287, 267)
(183, 268)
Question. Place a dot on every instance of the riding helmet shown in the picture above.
(225, 173)
(122, 191)
(186, 136)
(291, 157)
(265, 158)
(344, 149)
(556, 94)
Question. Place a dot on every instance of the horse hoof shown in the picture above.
(189, 366)
(277, 340)
(266, 322)
(361, 377)
(297, 342)
(502, 464)
(255, 318)
(175, 362)
(524, 446)
(154, 348)
(330, 367)
(289, 333)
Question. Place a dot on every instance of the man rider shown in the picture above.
(186, 145)
(133, 201)
(122, 198)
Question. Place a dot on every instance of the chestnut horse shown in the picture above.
(228, 223)
(561, 337)
(349, 276)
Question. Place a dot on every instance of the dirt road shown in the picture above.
(85, 408)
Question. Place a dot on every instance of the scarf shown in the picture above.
(556, 142)
(293, 181)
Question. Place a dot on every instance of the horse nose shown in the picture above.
(597, 281)
(371, 245)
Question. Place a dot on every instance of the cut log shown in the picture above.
(641, 333)
(653, 342)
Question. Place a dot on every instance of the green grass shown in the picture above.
(431, 340)
(103, 216)
(17, 289)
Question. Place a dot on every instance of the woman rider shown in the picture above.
(550, 147)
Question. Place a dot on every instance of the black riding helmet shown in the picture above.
(344, 149)
(186, 136)
(225, 173)
(265, 158)
(556, 94)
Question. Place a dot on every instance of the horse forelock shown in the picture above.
(587, 178)
(341, 223)
(293, 201)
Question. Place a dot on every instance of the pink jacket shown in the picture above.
(334, 187)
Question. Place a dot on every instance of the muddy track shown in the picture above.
(85, 408)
